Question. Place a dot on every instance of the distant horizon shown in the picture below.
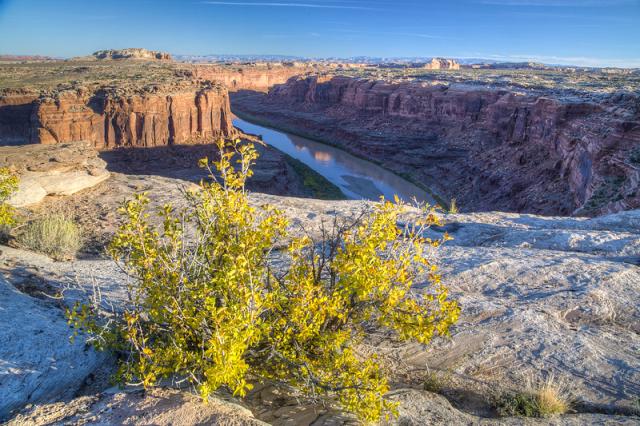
(584, 33)
(466, 60)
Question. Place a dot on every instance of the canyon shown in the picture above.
(488, 143)
(541, 293)
(490, 148)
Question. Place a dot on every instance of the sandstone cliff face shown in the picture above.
(15, 116)
(492, 149)
(110, 119)
(249, 78)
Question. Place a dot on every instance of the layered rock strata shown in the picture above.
(489, 148)
(258, 78)
(189, 112)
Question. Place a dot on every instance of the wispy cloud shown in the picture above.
(299, 5)
(559, 3)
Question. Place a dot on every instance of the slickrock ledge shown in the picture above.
(52, 170)
(539, 295)
(37, 361)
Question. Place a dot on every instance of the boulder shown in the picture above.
(52, 170)
(38, 363)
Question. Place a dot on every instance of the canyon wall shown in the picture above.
(491, 149)
(258, 78)
(110, 118)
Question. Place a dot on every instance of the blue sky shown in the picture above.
(582, 32)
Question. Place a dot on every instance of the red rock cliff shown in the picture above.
(256, 78)
(109, 118)
(493, 149)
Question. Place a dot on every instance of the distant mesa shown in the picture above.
(433, 64)
(442, 64)
(132, 53)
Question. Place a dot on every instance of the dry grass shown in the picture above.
(551, 397)
(55, 235)
(453, 206)
(541, 398)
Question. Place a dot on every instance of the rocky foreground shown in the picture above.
(539, 296)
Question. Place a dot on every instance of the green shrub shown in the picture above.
(55, 236)
(8, 185)
(207, 307)
(436, 382)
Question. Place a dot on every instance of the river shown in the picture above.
(357, 178)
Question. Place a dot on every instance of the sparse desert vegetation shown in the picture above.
(207, 305)
(343, 227)
(8, 185)
(54, 235)
(541, 398)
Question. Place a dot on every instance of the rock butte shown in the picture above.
(131, 53)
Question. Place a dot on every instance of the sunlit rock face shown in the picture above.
(190, 112)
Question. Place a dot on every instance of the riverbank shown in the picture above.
(363, 188)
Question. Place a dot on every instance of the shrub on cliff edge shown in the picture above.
(207, 307)
(8, 185)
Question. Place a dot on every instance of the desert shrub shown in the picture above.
(453, 206)
(207, 306)
(541, 399)
(435, 381)
(55, 235)
(8, 185)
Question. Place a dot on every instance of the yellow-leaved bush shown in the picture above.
(208, 306)
(8, 185)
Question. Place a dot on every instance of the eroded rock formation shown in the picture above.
(132, 53)
(258, 78)
(442, 64)
(111, 118)
(61, 169)
(490, 148)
